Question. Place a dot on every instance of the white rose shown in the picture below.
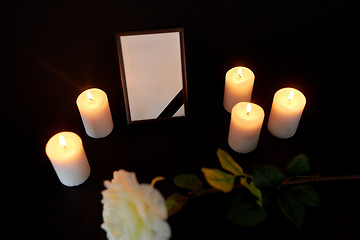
(133, 211)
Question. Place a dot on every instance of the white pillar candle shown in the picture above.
(287, 107)
(66, 153)
(239, 82)
(95, 112)
(245, 126)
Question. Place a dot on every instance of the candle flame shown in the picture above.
(248, 109)
(291, 95)
(62, 141)
(90, 97)
(239, 72)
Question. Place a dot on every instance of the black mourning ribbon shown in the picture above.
(173, 106)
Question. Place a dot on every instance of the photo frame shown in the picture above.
(153, 74)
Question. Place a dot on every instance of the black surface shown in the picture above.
(52, 51)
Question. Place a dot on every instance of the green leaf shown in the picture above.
(267, 176)
(306, 194)
(219, 179)
(170, 204)
(188, 181)
(298, 166)
(228, 163)
(175, 202)
(291, 207)
(252, 189)
(245, 212)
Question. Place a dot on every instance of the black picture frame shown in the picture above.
(153, 74)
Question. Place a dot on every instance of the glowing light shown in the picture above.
(248, 109)
(291, 95)
(90, 97)
(62, 141)
(239, 72)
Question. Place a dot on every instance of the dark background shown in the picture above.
(52, 51)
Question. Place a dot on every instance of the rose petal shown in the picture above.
(133, 211)
(127, 179)
(154, 199)
(162, 229)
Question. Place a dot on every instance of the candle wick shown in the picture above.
(247, 113)
(91, 99)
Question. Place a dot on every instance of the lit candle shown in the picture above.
(66, 153)
(95, 112)
(287, 107)
(245, 126)
(239, 82)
